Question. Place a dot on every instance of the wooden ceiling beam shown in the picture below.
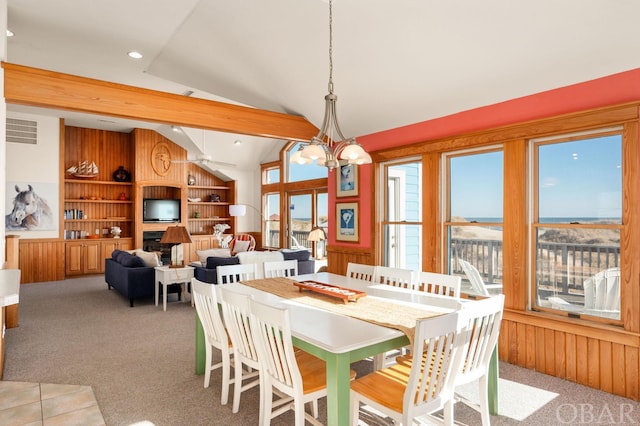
(48, 89)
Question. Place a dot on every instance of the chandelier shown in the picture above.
(330, 146)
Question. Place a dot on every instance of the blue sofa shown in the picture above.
(209, 273)
(131, 277)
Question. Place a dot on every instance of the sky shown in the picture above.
(577, 179)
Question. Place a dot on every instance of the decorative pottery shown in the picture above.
(121, 175)
(191, 180)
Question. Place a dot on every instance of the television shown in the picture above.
(160, 210)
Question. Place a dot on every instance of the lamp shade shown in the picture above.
(317, 234)
(176, 235)
(237, 210)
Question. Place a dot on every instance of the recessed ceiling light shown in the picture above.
(10, 33)
(135, 55)
(237, 142)
(176, 129)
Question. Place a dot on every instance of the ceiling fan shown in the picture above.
(205, 160)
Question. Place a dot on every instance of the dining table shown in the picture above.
(336, 338)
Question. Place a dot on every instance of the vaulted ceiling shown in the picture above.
(394, 62)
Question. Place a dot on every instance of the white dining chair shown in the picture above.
(281, 268)
(483, 319)
(235, 273)
(235, 311)
(423, 384)
(396, 277)
(215, 335)
(297, 377)
(435, 283)
(360, 271)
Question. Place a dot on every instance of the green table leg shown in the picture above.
(338, 389)
(493, 383)
(200, 349)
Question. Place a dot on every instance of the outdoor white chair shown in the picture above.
(422, 386)
(475, 279)
(297, 377)
(281, 268)
(602, 291)
(235, 273)
(215, 335)
(442, 284)
(235, 311)
(396, 277)
(360, 271)
(601, 295)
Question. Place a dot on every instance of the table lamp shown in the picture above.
(318, 234)
(176, 235)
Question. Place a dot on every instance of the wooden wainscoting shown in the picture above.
(41, 260)
(338, 257)
(599, 356)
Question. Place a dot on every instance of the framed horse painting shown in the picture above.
(31, 206)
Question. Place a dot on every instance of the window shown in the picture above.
(402, 222)
(474, 218)
(272, 220)
(577, 223)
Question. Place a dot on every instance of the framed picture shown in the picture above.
(347, 220)
(347, 180)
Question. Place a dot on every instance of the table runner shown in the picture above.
(381, 312)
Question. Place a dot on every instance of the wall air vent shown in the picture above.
(22, 131)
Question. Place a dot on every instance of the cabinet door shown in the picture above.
(93, 260)
(73, 259)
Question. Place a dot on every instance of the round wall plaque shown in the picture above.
(161, 158)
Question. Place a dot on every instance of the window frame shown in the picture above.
(535, 225)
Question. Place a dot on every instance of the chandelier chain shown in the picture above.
(330, 46)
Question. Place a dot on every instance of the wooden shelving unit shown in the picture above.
(204, 214)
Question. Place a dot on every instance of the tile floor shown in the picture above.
(44, 404)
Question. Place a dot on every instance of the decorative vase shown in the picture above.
(121, 175)
(191, 180)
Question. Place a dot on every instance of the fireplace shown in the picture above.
(151, 242)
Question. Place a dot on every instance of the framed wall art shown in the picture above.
(347, 180)
(347, 220)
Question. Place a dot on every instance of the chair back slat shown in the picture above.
(281, 268)
(396, 277)
(484, 318)
(272, 332)
(432, 374)
(360, 271)
(204, 297)
(235, 273)
(235, 310)
(441, 284)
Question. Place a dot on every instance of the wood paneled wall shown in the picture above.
(601, 357)
(338, 257)
(41, 260)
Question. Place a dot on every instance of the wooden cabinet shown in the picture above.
(208, 201)
(84, 257)
(108, 246)
(200, 242)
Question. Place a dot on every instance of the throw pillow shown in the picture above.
(115, 255)
(131, 261)
(149, 258)
(299, 255)
(204, 254)
(213, 262)
(240, 246)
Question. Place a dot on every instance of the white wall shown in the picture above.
(3, 116)
(34, 164)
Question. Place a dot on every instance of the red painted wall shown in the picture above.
(610, 90)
